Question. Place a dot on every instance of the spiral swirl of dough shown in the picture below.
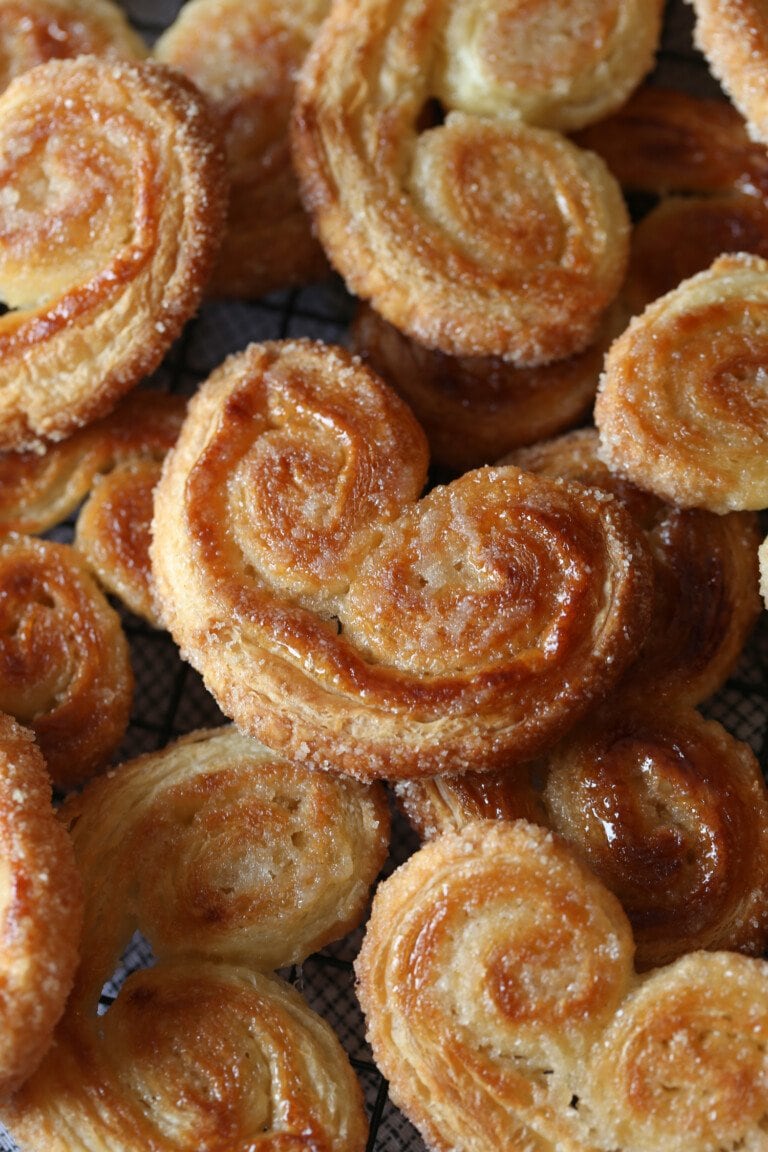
(35, 31)
(733, 35)
(496, 979)
(492, 960)
(100, 273)
(232, 861)
(481, 235)
(245, 56)
(40, 908)
(65, 666)
(694, 361)
(334, 615)
(474, 409)
(706, 596)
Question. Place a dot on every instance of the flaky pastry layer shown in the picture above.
(476, 234)
(496, 978)
(334, 614)
(245, 57)
(99, 273)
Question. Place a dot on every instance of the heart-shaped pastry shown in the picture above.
(334, 614)
(496, 977)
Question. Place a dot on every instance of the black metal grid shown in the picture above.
(170, 699)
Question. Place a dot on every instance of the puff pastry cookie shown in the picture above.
(336, 616)
(694, 361)
(65, 667)
(40, 908)
(34, 31)
(480, 235)
(101, 273)
(496, 978)
(232, 861)
(733, 35)
(245, 56)
(705, 599)
(474, 409)
(666, 808)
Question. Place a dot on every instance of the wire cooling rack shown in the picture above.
(170, 699)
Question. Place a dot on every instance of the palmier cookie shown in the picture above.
(475, 408)
(232, 861)
(693, 362)
(34, 31)
(706, 598)
(480, 235)
(101, 272)
(65, 667)
(40, 908)
(665, 807)
(245, 56)
(497, 982)
(733, 35)
(336, 616)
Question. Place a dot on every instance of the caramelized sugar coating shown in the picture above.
(338, 617)
(683, 235)
(101, 273)
(65, 666)
(562, 65)
(733, 35)
(694, 361)
(666, 808)
(232, 861)
(35, 31)
(474, 409)
(496, 977)
(40, 908)
(481, 235)
(706, 597)
(245, 57)
(664, 141)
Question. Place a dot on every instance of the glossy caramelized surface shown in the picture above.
(99, 274)
(232, 862)
(496, 977)
(245, 57)
(65, 666)
(693, 361)
(480, 234)
(40, 908)
(334, 614)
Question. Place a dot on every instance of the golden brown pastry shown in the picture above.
(706, 597)
(479, 235)
(100, 273)
(339, 618)
(665, 807)
(474, 409)
(693, 363)
(664, 140)
(34, 31)
(683, 235)
(245, 56)
(562, 65)
(497, 982)
(763, 560)
(232, 861)
(65, 666)
(40, 908)
(733, 35)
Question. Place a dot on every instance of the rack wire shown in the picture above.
(170, 699)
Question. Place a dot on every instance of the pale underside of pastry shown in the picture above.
(497, 982)
(101, 273)
(232, 861)
(476, 233)
(334, 614)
